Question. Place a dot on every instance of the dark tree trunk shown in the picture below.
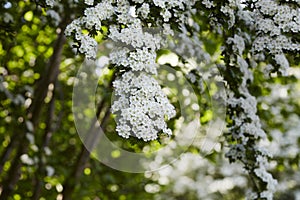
(41, 171)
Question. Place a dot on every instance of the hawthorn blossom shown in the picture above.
(142, 106)
(275, 23)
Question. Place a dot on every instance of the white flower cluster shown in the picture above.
(88, 45)
(238, 44)
(248, 104)
(135, 36)
(172, 8)
(237, 152)
(144, 10)
(276, 23)
(283, 63)
(94, 15)
(142, 109)
(247, 124)
(267, 178)
(141, 60)
(244, 132)
(124, 12)
(208, 3)
(142, 106)
(50, 3)
(92, 18)
(229, 10)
